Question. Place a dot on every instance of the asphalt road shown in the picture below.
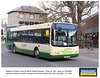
(85, 59)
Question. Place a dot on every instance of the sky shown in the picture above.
(8, 5)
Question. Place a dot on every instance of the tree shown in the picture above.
(4, 23)
(68, 11)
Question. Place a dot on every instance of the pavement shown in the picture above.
(2, 42)
(95, 50)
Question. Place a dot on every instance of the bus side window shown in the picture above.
(24, 36)
(30, 36)
(19, 36)
(14, 37)
(37, 36)
(46, 36)
(9, 36)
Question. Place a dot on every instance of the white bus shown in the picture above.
(49, 40)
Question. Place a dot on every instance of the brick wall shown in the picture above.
(90, 23)
(13, 18)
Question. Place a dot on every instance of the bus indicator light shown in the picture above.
(47, 32)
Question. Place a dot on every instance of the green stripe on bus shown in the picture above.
(68, 52)
(27, 49)
(44, 52)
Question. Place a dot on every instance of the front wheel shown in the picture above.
(14, 51)
(36, 53)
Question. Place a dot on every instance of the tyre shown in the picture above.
(14, 51)
(36, 53)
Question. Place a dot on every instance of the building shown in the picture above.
(90, 28)
(27, 15)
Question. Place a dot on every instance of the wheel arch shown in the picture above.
(36, 48)
(35, 53)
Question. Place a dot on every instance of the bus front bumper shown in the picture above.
(47, 55)
(63, 56)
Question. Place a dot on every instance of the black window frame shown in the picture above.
(34, 38)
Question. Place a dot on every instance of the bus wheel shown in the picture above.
(36, 53)
(14, 51)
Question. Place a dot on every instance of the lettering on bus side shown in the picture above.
(57, 52)
(23, 45)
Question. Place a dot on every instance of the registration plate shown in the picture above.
(66, 56)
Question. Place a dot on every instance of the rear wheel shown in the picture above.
(36, 53)
(14, 51)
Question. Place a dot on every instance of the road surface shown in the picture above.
(85, 59)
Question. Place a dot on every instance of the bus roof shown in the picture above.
(37, 26)
(15, 25)
(30, 27)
